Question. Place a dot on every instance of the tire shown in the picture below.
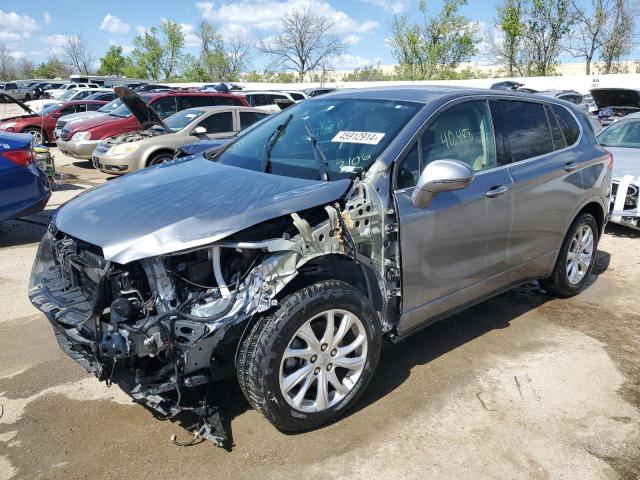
(262, 369)
(39, 137)
(565, 281)
(27, 97)
(159, 158)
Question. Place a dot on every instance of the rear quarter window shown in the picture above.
(568, 124)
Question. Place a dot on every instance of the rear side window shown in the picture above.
(218, 123)
(229, 101)
(165, 106)
(528, 131)
(260, 100)
(556, 133)
(93, 106)
(249, 118)
(568, 125)
(296, 96)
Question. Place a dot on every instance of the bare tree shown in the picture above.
(25, 67)
(547, 26)
(305, 42)
(618, 42)
(7, 64)
(77, 54)
(238, 51)
(591, 29)
(505, 42)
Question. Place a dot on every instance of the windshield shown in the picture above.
(110, 106)
(122, 111)
(350, 133)
(49, 109)
(68, 94)
(624, 134)
(178, 121)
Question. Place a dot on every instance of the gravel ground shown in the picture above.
(521, 386)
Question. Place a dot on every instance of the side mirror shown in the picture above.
(199, 131)
(440, 176)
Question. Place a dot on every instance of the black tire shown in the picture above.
(27, 97)
(558, 283)
(159, 158)
(261, 352)
(37, 133)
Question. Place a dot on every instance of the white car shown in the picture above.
(57, 92)
(267, 100)
(67, 96)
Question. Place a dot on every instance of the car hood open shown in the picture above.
(184, 204)
(616, 97)
(4, 98)
(138, 107)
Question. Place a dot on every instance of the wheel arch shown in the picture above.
(149, 155)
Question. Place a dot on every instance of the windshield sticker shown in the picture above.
(368, 138)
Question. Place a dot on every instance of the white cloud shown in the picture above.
(55, 40)
(17, 54)
(236, 16)
(390, 6)
(190, 37)
(352, 39)
(15, 27)
(47, 18)
(141, 29)
(126, 49)
(111, 23)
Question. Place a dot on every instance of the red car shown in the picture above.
(40, 125)
(78, 139)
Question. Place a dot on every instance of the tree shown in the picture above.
(52, 68)
(7, 64)
(505, 41)
(547, 25)
(590, 29)
(113, 62)
(77, 54)
(305, 41)
(618, 43)
(438, 46)
(171, 60)
(146, 57)
(366, 74)
(25, 68)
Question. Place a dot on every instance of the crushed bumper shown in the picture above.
(625, 202)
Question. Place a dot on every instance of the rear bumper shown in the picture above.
(82, 150)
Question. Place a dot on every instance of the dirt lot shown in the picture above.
(522, 386)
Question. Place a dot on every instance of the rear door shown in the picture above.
(218, 125)
(547, 181)
(455, 250)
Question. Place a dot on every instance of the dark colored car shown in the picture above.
(41, 124)
(201, 147)
(24, 188)
(102, 96)
(37, 92)
(290, 255)
(147, 87)
(319, 91)
(506, 85)
(79, 139)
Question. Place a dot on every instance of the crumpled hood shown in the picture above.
(183, 204)
(626, 161)
(616, 97)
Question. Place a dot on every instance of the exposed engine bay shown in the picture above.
(134, 136)
(168, 325)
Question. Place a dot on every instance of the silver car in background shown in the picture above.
(287, 256)
(622, 139)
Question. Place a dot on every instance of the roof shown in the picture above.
(209, 108)
(419, 93)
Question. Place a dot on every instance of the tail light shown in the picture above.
(21, 158)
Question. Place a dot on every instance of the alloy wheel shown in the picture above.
(580, 254)
(37, 137)
(323, 361)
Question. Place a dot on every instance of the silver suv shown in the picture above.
(288, 255)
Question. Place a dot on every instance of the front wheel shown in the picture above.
(307, 362)
(576, 258)
(159, 158)
(38, 135)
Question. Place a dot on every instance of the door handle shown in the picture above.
(571, 166)
(496, 191)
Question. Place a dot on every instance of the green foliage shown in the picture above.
(113, 62)
(548, 23)
(269, 76)
(146, 57)
(438, 46)
(52, 68)
(172, 46)
(367, 74)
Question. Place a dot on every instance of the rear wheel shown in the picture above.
(27, 97)
(38, 135)
(159, 158)
(306, 363)
(576, 258)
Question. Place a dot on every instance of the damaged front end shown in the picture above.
(625, 201)
(167, 326)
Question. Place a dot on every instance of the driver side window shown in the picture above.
(464, 133)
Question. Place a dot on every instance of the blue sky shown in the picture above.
(35, 28)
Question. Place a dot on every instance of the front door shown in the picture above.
(455, 250)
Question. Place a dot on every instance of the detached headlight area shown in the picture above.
(81, 136)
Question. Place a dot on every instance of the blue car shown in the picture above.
(203, 146)
(24, 188)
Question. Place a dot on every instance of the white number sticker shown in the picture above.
(368, 138)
